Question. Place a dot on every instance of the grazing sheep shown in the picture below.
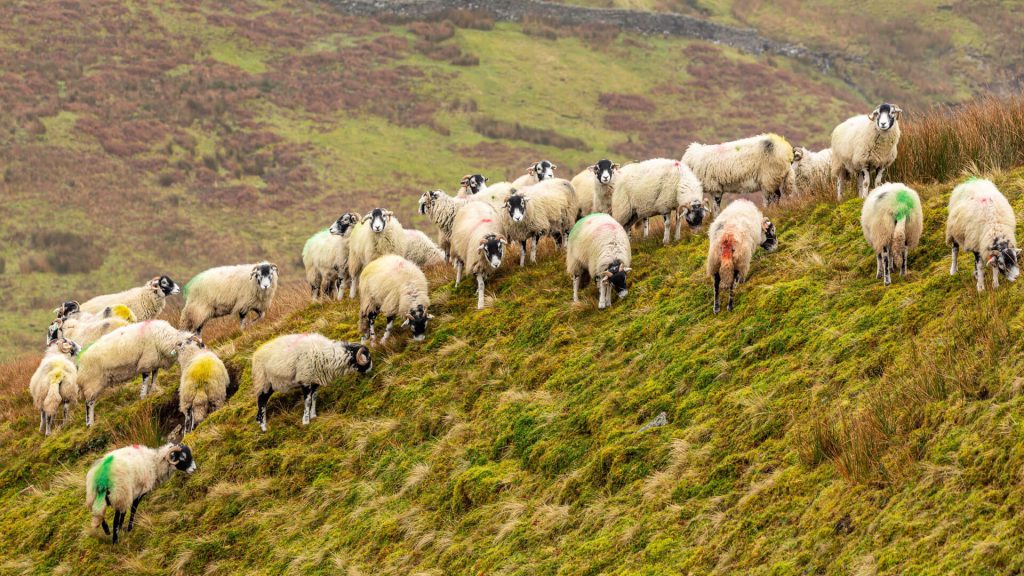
(121, 478)
(757, 164)
(393, 286)
(325, 257)
(204, 381)
(594, 187)
(658, 187)
(421, 249)
(537, 172)
(734, 236)
(812, 171)
(522, 225)
(598, 248)
(85, 328)
(556, 200)
(983, 222)
(892, 221)
(305, 360)
(146, 302)
(55, 382)
(229, 291)
(864, 144)
(141, 348)
(478, 244)
(378, 234)
(471, 184)
(441, 209)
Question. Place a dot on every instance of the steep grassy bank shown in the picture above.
(828, 425)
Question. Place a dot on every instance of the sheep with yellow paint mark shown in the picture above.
(55, 382)
(204, 381)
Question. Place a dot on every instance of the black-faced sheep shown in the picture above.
(734, 236)
(537, 172)
(471, 184)
(239, 291)
(441, 209)
(598, 248)
(393, 286)
(982, 221)
(892, 221)
(478, 244)
(658, 187)
(325, 258)
(378, 234)
(863, 145)
(55, 382)
(146, 302)
(594, 187)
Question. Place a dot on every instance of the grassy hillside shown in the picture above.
(829, 425)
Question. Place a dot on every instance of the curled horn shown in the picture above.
(874, 114)
(361, 356)
(388, 213)
(554, 167)
(798, 154)
(465, 180)
(367, 217)
(896, 111)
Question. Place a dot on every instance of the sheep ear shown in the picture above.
(554, 167)
(465, 180)
(483, 245)
(592, 168)
(615, 166)
(486, 179)
(431, 316)
(896, 111)
(874, 114)
(273, 267)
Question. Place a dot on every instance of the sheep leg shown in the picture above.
(679, 224)
(865, 182)
(261, 409)
(90, 412)
(956, 251)
(995, 277)
(458, 272)
(190, 420)
(886, 265)
(878, 265)
(575, 288)
(717, 306)
(666, 236)
(42, 421)
(647, 227)
(601, 285)
(979, 272)
(387, 329)
(105, 526)
(65, 421)
(306, 402)
(312, 404)
(479, 291)
(131, 519)
(839, 188)
(522, 252)
(118, 519)
(879, 176)
(903, 269)
(533, 249)
(353, 287)
(48, 419)
(732, 288)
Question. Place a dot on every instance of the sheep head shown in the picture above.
(769, 237)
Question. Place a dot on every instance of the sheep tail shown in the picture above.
(899, 242)
(727, 268)
(103, 483)
(52, 401)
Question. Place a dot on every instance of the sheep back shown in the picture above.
(885, 207)
(760, 163)
(594, 243)
(978, 214)
(419, 248)
(393, 284)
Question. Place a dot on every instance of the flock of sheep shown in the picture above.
(111, 339)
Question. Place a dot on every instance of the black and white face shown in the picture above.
(343, 225)
(70, 348)
(1005, 258)
(427, 200)
(493, 249)
(604, 170)
(379, 219)
(54, 331)
(67, 308)
(193, 341)
(167, 286)
(475, 183)
(264, 275)
(544, 170)
(516, 206)
(885, 116)
(770, 238)
(616, 276)
(181, 458)
(694, 213)
(361, 360)
(416, 320)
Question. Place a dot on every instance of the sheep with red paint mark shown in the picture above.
(598, 248)
(734, 236)
(982, 221)
(478, 244)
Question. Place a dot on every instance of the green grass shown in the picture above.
(828, 425)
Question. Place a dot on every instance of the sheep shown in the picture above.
(141, 348)
(658, 187)
(760, 163)
(393, 286)
(864, 144)
(594, 187)
(981, 221)
(420, 249)
(85, 328)
(441, 209)
(537, 172)
(204, 381)
(892, 221)
(521, 225)
(811, 170)
(598, 248)
(55, 382)
(555, 198)
(471, 184)
(378, 234)
(496, 194)
(478, 244)
(305, 360)
(146, 302)
(122, 477)
(325, 258)
(734, 236)
(229, 291)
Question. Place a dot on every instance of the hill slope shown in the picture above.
(828, 425)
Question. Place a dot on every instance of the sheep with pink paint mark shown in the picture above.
(598, 248)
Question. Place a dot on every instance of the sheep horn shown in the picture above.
(361, 356)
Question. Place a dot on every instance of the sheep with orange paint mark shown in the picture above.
(734, 236)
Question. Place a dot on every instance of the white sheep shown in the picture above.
(204, 381)
(325, 258)
(658, 187)
(478, 244)
(594, 187)
(496, 194)
(598, 248)
(864, 144)
(304, 360)
(555, 198)
(85, 328)
(441, 209)
(239, 290)
(812, 171)
(471, 184)
(892, 221)
(521, 224)
(733, 237)
(420, 249)
(55, 382)
(393, 286)
(757, 164)
(121, 478)
(537, 172)
(982, 221)
(146, 302)
(378, 234)
(141, 348)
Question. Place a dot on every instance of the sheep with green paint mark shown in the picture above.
(325, 258)
(204, 381)
(243, 291)
(892, 220)
(598, 248)
(146, 302)
(55, 382)
(982, 221)
(121, 478)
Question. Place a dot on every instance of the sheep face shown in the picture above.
(616, 276)
(695, 213)
(378, 219)
(1004, 258)
(493, 249)
(190, 342)
(67, 308)
(543, 170)
(164, 285)
(416, 320)
(769, 237)
(604, 170)
(427, 200)
(360, 357)
(264, 275)
(516, 206)
(343, 225)
(54, 331)
(475, 183)
(66, 347)
(181, 458)
(885, 116)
